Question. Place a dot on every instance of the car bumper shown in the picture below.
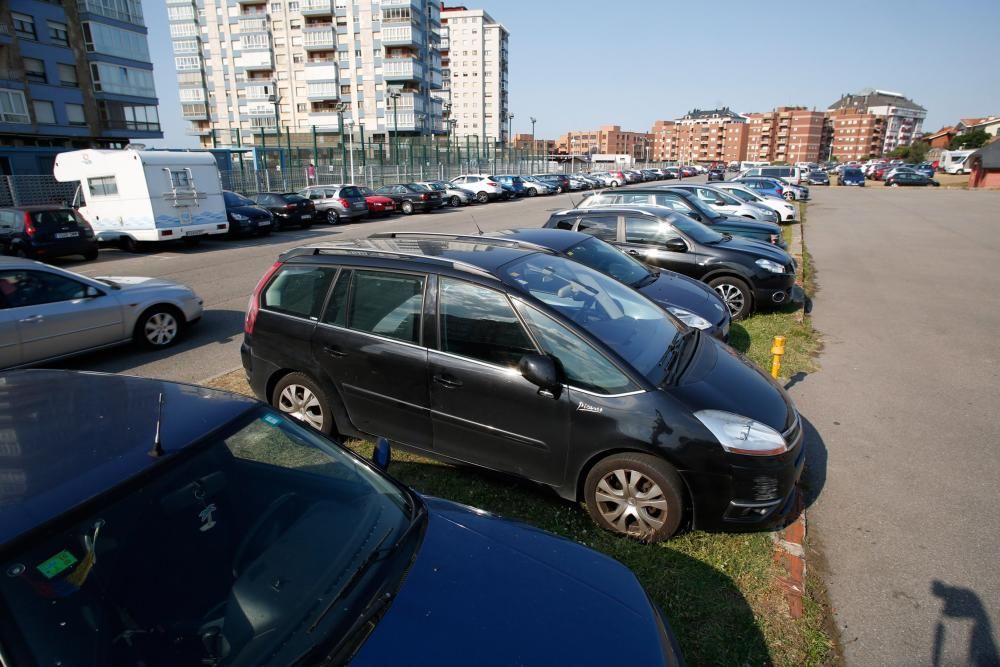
(774, 289)
(63, 248)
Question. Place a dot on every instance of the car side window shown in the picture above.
(7, 221)
(479, 323)
(298, 290)
(336, 307)
(387, 304)
(582, 365)
(675, 202)
(32, 288)
(635, 198)
(604, 227)
(647, 231)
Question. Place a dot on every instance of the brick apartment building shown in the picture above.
(853, 135)
(609, 139)
(901, 118)
(787, 134)
(525, 141)
(699, 136)
(760, 136)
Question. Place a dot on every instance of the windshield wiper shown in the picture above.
(645, 280)
(110, 283)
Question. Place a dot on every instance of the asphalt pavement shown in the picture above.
(905, 421)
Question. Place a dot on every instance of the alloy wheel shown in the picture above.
(160, 329)
(631, 502)
(732, 296)
(332, 217)
(300, 403)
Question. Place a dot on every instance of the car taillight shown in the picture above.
(29, 228)
(490, 184)
(425, 197)
(254, 306)
(774, 239)
(781, 190)
(345, 203)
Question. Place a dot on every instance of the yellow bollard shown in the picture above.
(777, 349)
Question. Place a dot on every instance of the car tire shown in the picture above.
(789, 196)
(297, 396)
(90, 255)
(332, 217)
(614, 184)
(307, 225)
(22, 253)
(532, 192)
(894, 185)
(158, 327)
(482, 197)
(735, 293)
(454, 201)
(128, 244)
(406, 207)
(635, 495)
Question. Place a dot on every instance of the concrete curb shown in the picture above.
(205, 381)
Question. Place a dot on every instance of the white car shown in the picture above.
(483, 185)
(726, 203)
(786, 210)
(534, 186)
(47, 313)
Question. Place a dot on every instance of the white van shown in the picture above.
(132, 195)
(750, 164)
(791, 174)
(955, 162)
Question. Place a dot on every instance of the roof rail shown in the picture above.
(476, 238)
(334, 249)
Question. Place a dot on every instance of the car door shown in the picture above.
(709, 198)
(646, 239)
(369, 342)
(57, 315)
(482, 410)
(10, 340)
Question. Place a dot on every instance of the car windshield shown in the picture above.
(603, 257)
(233, 199)
(624, 320)
(232, 551)
(852, 172)
(51, 219)
(366, 191)
(435, 186)
(419, 187)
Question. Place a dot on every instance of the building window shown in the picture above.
(57, 33)
(300, 107)
(67, 75)
(24, 26)
(75, 115)
(12, 107)
(34, 70)
(45, 113)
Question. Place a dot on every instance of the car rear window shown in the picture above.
(351, 192)
(298, 290)
(293, 198)
(51, 219)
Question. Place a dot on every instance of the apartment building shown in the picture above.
(609, 139)
(248, 68)
(798, 135)
(474, 56)
(760, 135)
(663, 136)
(853, 135)
(701, 135)
(902, 118)
(526, 142)
(73, 74)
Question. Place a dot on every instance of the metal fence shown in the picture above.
(31, 190)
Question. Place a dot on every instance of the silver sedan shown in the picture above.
(47, 313)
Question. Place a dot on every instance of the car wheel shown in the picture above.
(454, 201)
(22, 253)
(636, 495)
(894, 185)
(406, 207)
(614, 184)
(532, 192)
(735, 294)
(128, 244)
(482, 197)
(90, 255)
(158, 327)
(789, 196)
(332, 217)
(297, 396)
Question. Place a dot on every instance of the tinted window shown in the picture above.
(739, 194)
(298, 290)
(32, 288)
(582, 365)
(51, 219)
(293, 199)
(336, 308)
(387, 304)
(233, 199)
(480, 323)
(418, 187)
(602, 226)
(602, 257)
(695, 230)
(648, 231)
(350, 192)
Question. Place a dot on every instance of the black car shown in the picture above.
(687, 203)
(287, 208)
(558, 181)
(716, 174)
(189, 526)
(818, 177)
(692, 302)
(908, 178)
(410, 197)
(43, 232)
(246, 217)
(747, 274)
(484, 352)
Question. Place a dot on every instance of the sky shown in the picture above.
(575, 65)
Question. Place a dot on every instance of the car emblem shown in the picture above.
(207, 521)
(587, 407)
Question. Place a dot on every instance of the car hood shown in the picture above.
(137, 283)
(673, 289)
(720, 378)
(733, 222)
(252, 212)
(756, 249)
(484, 590)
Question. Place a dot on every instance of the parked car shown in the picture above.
(632, 176)
(559, 181)
(287, 208)
(787, 211)
(818, 177)
(925, 168)
(534, 186)
(671, 173)
(723, 202)
(47, 313)
(793, 175)
(410, 197)
(688, 204)
(747, 274)
(689, 171)
(851, 176)
(907, 178)
(453, 196)
(337, 203)
(716, 174)
(604, 178)
(528, 364)
(792, 191)
(764, 186)
(162, 524)
(246, 217)
(483, 185)
(576, 183)
(45, 232)
(513, 184)
(378, 205)
(692, 302)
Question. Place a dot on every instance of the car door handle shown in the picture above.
(334, 351)
(450, 383)
(633, 252)
(34, 319)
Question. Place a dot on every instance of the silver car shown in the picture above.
(727, 204)
(47, 313)
(337, 202)
(535, 186)
(453, 195)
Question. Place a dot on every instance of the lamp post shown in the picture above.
(361, 128)
(534, 148)
(510, 124)
(452, 124)
(395, 95)
(350, 134)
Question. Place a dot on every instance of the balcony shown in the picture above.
(316, 7)
(399, 3)
(255, 61)
(259, 91)
(406, 102)
(401, 35)
(402, 69)
(252, 2)
(253, 23)
(323, 91)
(323, 71)
(318, 39)
(194, 111)
(129, 11)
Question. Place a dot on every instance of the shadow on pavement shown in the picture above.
(814, 475)
(964, 604)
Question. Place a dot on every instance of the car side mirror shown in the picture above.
(92, 292)
(675, 245)
(719, 202)
(540, 371)
(382, 454)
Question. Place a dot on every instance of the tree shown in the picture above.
(900, 152)
(918, 152)
(973, 139)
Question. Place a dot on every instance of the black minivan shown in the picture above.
(746, 274)
(487, 352)
(44, 232)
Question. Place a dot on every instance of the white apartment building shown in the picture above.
(244, 66)
(474, 62)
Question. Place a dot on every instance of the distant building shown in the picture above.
(73, 74)
(853, 135)
(989, 124)
(942, 138)
(536, 146)
(698, 136)
(609, 139)
(902, 118)
(985, 165)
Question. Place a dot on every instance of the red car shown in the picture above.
(689, 171)
(377, 204)
(878, 173)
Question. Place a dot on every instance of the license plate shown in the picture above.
(264, 223)
(307, 216)
(67, 235)
(357, 205)
(195, 233)
(390, 207)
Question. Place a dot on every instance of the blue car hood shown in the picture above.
(487, 591)
(673, 289)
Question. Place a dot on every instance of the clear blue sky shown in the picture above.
(578, 64)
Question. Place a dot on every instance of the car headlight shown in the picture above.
(741, 435)
(773, 267)
(239, 217)
(689, 318)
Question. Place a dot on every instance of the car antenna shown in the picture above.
(157, 450)
(478, 228)
(573, 202)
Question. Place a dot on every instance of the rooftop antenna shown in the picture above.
(157, 450)
(476, 224)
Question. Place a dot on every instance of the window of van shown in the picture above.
(102, 186)
(180, 178)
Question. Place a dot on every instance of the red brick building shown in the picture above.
(854, 135)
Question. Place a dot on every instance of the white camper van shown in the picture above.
(955, 162)
(131, 196)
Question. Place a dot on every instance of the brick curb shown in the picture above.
(789, 553)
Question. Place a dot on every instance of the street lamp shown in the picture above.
(350, 134)
(395, 95)
(510, 124)
(341, 107)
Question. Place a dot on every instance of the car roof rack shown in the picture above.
(477, 238)
(345, 249)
